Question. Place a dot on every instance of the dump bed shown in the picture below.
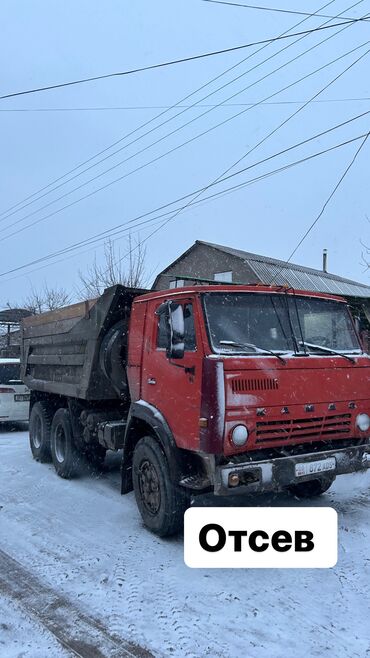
(80, 350)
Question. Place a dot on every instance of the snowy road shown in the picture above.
(75, 560)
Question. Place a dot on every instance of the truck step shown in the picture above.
(197, 482)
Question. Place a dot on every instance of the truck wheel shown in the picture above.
(39, 431)
(160, 503)
(66, 458)
(311, 488)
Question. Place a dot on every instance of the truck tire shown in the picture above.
(39, 431)
(66, 457)
(160, 503)
(312, 488)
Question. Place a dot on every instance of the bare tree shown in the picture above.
(113, 270)
(365, 254)
(37, 301)
(46, 299)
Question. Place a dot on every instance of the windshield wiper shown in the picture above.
(258, 350)
(327, 349)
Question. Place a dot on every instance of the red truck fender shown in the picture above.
(143, 420)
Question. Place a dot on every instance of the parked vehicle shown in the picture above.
(14, 395)
(229, 389)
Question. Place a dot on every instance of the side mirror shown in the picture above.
(174, 320)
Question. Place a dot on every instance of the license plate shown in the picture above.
(22, 397)
(319, 466)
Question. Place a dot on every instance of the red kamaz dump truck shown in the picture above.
(209, 388)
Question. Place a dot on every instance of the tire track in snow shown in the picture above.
(136, 578)
(150, 587)
(272, 610)
(173, 610)
(81, 634)
(126, 587)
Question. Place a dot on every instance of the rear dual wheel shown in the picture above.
(65, 455)
(51, 439)
(39, 431)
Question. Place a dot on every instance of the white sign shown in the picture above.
(261, 537)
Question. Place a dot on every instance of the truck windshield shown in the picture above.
(278, 322)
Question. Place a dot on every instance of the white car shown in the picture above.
(14, 395)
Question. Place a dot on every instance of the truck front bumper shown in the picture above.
(281, 472)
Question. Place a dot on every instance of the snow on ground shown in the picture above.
(21, 637)
(87, 542)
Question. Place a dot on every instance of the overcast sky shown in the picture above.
(50, 42)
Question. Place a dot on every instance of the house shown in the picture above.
(206, 262)
(216, 263)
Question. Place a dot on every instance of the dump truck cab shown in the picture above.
(268, 386)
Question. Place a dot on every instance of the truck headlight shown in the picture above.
(239, 435)
(363, 422)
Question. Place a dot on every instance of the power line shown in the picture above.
(169, 220)
(329, 198)
(159, 228)
(302, 107)
(232, 166)
(281, 11)
(304, 236)
(104, 234)
(166, 222)
(279, 170)
(227, 190)
(153, 160)
(94, 239)
(167, 107)
(174, 61)
(8, 213)
(118, 228)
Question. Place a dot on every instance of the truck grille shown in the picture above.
(260, 384)
(303, 428)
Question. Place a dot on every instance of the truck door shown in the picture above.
(174, 386)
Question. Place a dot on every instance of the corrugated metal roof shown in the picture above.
(270, 270)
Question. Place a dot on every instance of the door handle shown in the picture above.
(152, 380)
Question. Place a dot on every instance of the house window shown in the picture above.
(227, 277)
(177, 283)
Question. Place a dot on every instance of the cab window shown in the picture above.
(190, 339)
